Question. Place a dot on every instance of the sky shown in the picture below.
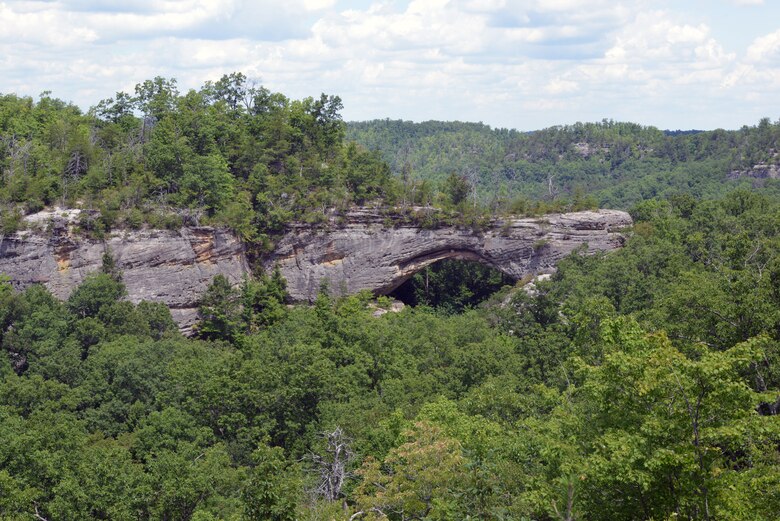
(525, 64)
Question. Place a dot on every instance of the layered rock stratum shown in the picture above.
(170, 266)
(361, 250)
(365, 253)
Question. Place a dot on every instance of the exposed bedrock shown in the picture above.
(174, 267)
(364, 253)
(360, 252)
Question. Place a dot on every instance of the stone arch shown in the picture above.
(364, 252)
(408, 268)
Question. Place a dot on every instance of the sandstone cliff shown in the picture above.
(365, 253)
(174, 267)
(359, 252)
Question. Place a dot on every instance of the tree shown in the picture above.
(95, 292)
(457, 188)
(262, 300)
(109, 267)
(272, 492)
(332, 467)
(156, 98)
(206, 183)
(417, 480)
(219, 310)
(663, 427)
(231, 90)
(186, 479)
(158, 316)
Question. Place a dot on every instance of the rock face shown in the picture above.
(759, 171)
(174, 267)
(770, 170)
(365, 253)
(361, 252)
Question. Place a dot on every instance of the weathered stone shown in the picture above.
(174, 267)
(362, 252)
(761, 170)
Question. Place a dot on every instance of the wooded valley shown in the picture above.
(639, 384)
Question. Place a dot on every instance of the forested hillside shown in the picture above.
(640, 384)
(229, 153)
(619, 164)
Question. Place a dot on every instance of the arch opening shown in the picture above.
(451, 284)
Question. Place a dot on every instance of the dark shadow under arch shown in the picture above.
(450, 282)
(409, 268)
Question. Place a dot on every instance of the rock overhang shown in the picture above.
(360, 251)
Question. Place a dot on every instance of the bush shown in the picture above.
(97, 291)
(11, 221)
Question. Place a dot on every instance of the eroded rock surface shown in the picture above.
(360, 251)
(365, 253)
(174, 267)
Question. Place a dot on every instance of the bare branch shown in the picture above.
(37, 514)
(333, 464)
(363, 512)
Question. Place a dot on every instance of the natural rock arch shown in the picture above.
(408, 268)
(364, 253)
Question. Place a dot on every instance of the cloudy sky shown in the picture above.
(522, 64)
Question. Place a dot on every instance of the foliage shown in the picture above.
(227, 312)
(451, 286)
(231, 153)
(272, 490)
(597, 397)
(642, 384)
(579, 166)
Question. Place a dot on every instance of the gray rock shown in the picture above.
(362, 252)
(365, 253)
(174, 267)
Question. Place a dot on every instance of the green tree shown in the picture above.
(219, 310)
(457, 188)
(206, 183)
(97, 291)
(664, 427)
(417, 480)
(273, 490)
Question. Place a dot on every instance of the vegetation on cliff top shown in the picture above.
(233, 153)
(228, 153)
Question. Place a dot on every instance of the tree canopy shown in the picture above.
(629, 386)
(640, 384)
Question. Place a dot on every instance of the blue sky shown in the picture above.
(522, 64)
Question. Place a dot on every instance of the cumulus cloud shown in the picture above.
(514, 63)
(765, 49)
(561, 86)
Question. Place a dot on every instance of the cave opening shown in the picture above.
(451, 286)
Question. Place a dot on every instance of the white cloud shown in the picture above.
(41, 27)
(561, 86)
(765, 49)
(755, 79)
(525, 63)
(317, 5)
(484, 6)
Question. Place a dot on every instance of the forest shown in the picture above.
(229, 154)
(617, 164)
(639, 384)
